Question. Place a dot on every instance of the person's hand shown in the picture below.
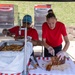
(4, 31)
(29, 38)
(61, 55)
(51, 50)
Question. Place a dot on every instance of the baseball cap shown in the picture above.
(27, 18)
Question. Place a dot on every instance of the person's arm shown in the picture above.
(67, 43)
(44, 43)
(49, 48)
(6, 32)
(37, 42)
(65, 37)
(62, 53)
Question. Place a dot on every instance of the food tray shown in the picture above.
(11, 46)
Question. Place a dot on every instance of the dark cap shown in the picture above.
(27, 18)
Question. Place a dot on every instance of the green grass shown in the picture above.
(65, 11)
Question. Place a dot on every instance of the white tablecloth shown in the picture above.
(69, 71)
(13, 61)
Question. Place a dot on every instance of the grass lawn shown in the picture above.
(65, 11)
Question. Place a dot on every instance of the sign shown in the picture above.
(40, 12)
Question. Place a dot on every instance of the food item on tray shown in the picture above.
(55, 62)
(12, 47)
(48, 67)
(20, 37)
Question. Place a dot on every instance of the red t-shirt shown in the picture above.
(53, 37)
(30, 32)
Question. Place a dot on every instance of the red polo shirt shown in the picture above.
(53, 37)
(30, 32)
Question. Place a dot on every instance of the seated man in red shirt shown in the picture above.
(19, 32)
(52, 32)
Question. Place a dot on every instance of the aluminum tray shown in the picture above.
(9, 43)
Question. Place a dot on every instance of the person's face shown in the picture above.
(26, 24)
(51, 22)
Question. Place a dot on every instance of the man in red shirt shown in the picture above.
(52, 32)
(16, 30)
(19, 32)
